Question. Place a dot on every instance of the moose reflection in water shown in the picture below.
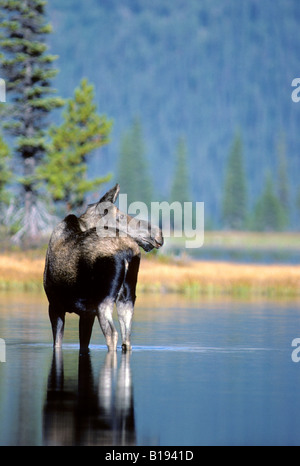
(91, 266)
(87, 413)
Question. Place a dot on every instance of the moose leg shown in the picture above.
(105, 311)
(126, 300)
(125, 314)
(86, 322)
(57, 320)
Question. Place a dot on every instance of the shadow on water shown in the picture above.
(89, 412)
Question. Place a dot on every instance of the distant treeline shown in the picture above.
(271, 210)
(203, 70)
(174, 100)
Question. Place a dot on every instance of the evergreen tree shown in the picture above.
(126, 172)
(133, 175)
(65, 167)
(297, 205)
(283, 182)
(5, 173)
(269, 214)
(9, 220)
(28, 71)
(235, 193)
(180, 184)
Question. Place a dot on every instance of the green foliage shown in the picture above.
(82, 131)
(28, 71)
(283, 180)
(235, 192)
(179, 65)
(133, 175)
(164, 60)
(180, 189)
(269, 214)
(5, 172)
(298, 201)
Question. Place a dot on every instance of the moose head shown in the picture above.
(111, 222)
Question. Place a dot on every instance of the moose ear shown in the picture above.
(111, 195)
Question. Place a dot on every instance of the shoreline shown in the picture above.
(23, 271)
(222, 278)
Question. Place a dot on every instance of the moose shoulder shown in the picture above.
(91, 266)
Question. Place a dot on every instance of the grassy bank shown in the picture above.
(23, 271)
(221, 278)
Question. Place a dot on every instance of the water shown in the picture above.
(201, 373)
(241, 255)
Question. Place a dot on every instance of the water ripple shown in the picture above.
(162, 348)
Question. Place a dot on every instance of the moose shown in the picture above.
(92, 263)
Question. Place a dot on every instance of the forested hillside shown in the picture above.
(201, 69)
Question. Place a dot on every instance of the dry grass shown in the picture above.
(21, 271)
(24, 271)
(221, 278)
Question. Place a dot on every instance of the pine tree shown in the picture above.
(5, 173)
(9, 220)
(283, 182)
(269, 214)
(180, 183)
(28, 71)
(5, 178)
(235, 192)
(81, 132)
(126, 172)
(297, 205)
(133, 175)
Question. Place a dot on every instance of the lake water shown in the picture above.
(202, 372)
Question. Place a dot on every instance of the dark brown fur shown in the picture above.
(87, 273)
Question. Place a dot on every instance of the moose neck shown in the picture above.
(88, 219)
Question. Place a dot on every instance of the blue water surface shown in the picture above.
(202, 372)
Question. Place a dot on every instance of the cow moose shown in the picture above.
(92, 263)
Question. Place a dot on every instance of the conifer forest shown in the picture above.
(176, 99)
